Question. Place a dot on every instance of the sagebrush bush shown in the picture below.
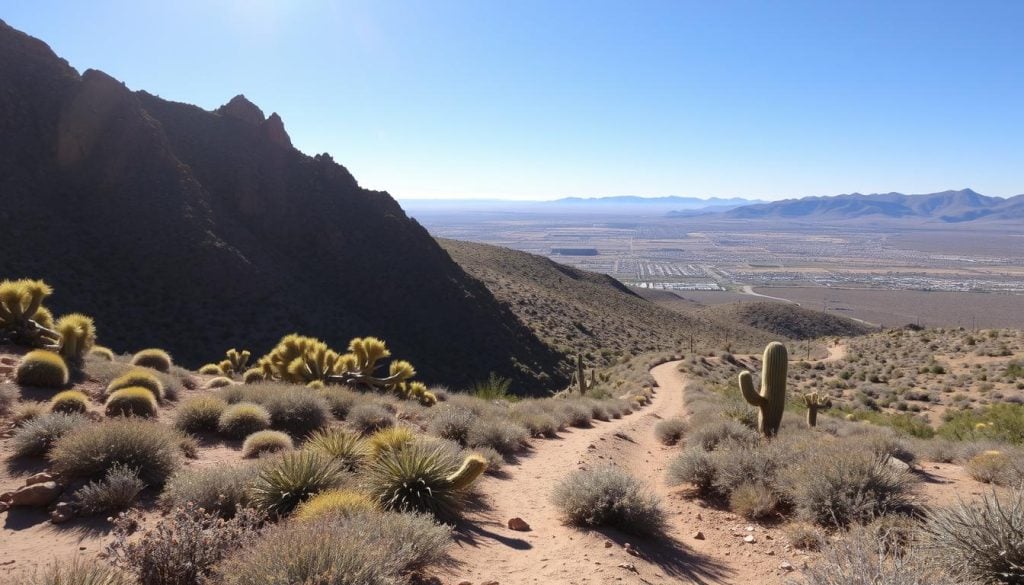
(368, 418)
(36, 436)
(981, 540)
(371, 548)
(451, 422)
(608, 496)
(495, 460)
(42, 369)
(156, 359)
(537, 423)
(670, 431)
(502, 435)
(182, 548)
(131, 401)
(738, 463)
(574, 414)
(89, 451)
(117, 491)
(8, 396)
(694, 466)
(287, 480)
(989, 467)
(334, 502)
(346, 449)
(263, 442)
(199, 414)
(75, 572)
(220, 489)
(804, 536)
(753, 500)
(137, 378)
(69, 401)
(26, 411)
(860, 558)
(416, 479)
(710, 434)
(243, 419)
(340, 400)
(295, 410)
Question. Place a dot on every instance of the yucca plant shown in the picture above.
(131, 401)
(156, 359)
(43, 369)
(422, 478)
(138, 377)
(69, 401)
(23, 318)
(335, 503)
(348, 450)
(77, 337)
(290, 479)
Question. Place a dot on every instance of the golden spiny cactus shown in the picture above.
(77, 337)
(23, 319)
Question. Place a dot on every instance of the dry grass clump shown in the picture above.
(1000, 467)
(340, 400)
(42, 369)
(262, 442)
(574, 414)
(983, 540)
(803, 536)
(132, 401)
(222, 490)
(715, 431)
(502, 435)
(753, 500)
(199, 414)
(243, 419)
(368, 418)
(670, 431)
(335, 502)
(284, 482)
(8, 396)
(156, 359)
(70, 402)
(75, 572)
(36, 436)
(608, 496)
(296, 410)
(137, 378)
(91, 450)
(346, 449)
(117, 491)
(26, 411)
(693, 466)
(451, 422)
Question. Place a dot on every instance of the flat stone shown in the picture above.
(518, 524)
(749, 539)
(37, 495)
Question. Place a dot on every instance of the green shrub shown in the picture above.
(243, 419)
(416, 478)
(75, 572)
(451, 422)
(90, 451)
(287, 480)
(131, 401)
(220, 489)
(115, 492)
(69, 401)
(1000, 422)
(137, 378)
(670, 431)
(502, 435)
(346, 449)
(42, 369)
(981, 540)
(493, 388)
(608, 496)
(694, 466)
(340, 400)
(199, 414)
(156, 359)
(262, 442)
(36, 436)
(369, 418)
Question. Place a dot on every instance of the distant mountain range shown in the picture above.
(622, 204)
(946, 207)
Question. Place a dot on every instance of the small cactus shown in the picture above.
(156, 359)
(472, 467)
(77, 337)
(814, 402)
(772, 399)
(132, 401)
(42, 369)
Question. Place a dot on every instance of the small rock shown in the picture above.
(699, 517)
(465, 583)
(750, 528)
(41, 478)
(897, 464)
(518, 524)
(608, 544)
(785, 566)
(37, 495)
(698, 535)
(749, 539)
(628, 567)
(490, 583)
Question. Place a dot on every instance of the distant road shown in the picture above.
(749, 290)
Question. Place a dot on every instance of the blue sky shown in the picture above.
(542, 99)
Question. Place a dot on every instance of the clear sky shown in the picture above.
(542, 99)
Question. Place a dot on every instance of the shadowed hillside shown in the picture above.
(197, 231)
(786, 320)
(576, 310)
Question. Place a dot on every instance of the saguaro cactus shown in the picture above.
(815, 401)
(581, 375)
(772, 399)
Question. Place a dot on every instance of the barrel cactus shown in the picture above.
(771, 401)
(814, 402)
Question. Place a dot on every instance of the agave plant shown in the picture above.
(286, 481)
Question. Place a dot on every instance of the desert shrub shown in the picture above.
(574, 414)
(346, 449)
(137, 378)
(103, 353)
(234, 394)
(222, 490)
(1001, 422)
(340, 400)
(981, 540)
(939, 450)
(753, 499)
(156, 359)
(368, 418)
(42, 369)
(284, 482)
(243, 419)
(131, 401)
(75, 572)
(737, 463)
(502, 435)
(263, 442)
(8, 396)
(803, 536)
(537, 423)
(369, 548)
(834, 486)
(493, 388)
(217, 382)
(416, 478)
(989, 467)
(495, 460)
(334, 502)
(389, 439)
(295, 410)
(694, 466)
(608, 496)
(860, 558)
(26, 411)
(181, 548)
(199, 414)
(598, 411)
(36, 436)
(670, 430)
(451, 422)
(69, 401)
(91, 450)
(710, 434)
(115, 492)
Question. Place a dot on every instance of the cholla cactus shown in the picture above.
(772, 399)
(23, 318)
(77, 337)
(814, 402)
(238, 360)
